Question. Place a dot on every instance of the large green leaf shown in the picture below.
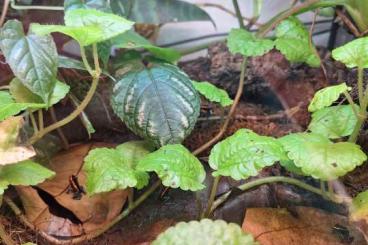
(101, 5)
(8, 107)
(159, 103)
(244, 154)
(293, 42)
(87, 26)
(176, 167)
(32, 58)
(159, 11)
(212, 93)
(359, 207)
(353, 54)
(326, 96)
(132, 40)
(23, 173)
(334, 122)
(245, 43)
(321, 159)
(22, 94)
(205, 232)
(111, 169)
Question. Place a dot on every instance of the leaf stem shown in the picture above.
(33, 121)
(239, 16)
(85, 60)
(5, 238)
(273, 179)
(231, 113)
(351, 102)
(34, 7)
(40, 120)
(212, 197)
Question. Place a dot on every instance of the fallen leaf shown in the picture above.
(303, 226)
(63, 215)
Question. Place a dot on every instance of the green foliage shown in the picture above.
(293, 42)
(204, 232)
(22, 94)
(212, 93)
(244, 154)
(10, 108)
(320, 158)
(23, 173)
(334, 122)
(159, 11)
(359, 207)
(353, 54)
(110, 169)
(101, 5)
(245, 43)
(33, 59)
(159, 103)
(132, 40)
(70, 63)
(176, 167)
(326, 96)
(87, 26)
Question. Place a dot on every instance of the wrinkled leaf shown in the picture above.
(176, 167)
(22, 94)
(158, 103)
(326, 96)
(245, 43)
(32, 58)
(353, 54)
(204, 232)
(212, 93)
(101, 5)
(244, 154)
(293, 42)
(10, 108)
(132, 40)
(120, 172)
(359, 207)
(23, 173)
(159, 11)
(334, 122)
(321, 159)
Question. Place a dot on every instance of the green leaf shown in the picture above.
(159, 11)
(101, 5)
(176, 167)
(293, 42)
(32, 58)
(326, 96)
(245, 43)
(359, 208)
(205, 232)
(70, 63)
(212, 93)
(159, 103)
(10, 108)
(321, 159)
(23, 173)
(334, 122)
(120, 172)
(353, 54)
(244, 154)
(132, 40)
(87, 26)
(22, 94)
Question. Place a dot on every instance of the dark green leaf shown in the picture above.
(32, 58)
(334, 122)
(70, 63)
(212, 93)
(158, 103)
(245, 43)
(205, 232)
(159, 11)
(176, 167)
(244, 154)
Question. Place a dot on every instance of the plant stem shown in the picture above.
(238, 14)
(351, 102)
(360, 84)
(85, 61)
(40, 119)
(4, 12)
(33, 121)
(273, 179)
(5, 238)
(231, 113)
(34, 7)
(95, 79)
(215, 183)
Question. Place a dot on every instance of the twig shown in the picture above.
(4, 12)
(348, 23)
